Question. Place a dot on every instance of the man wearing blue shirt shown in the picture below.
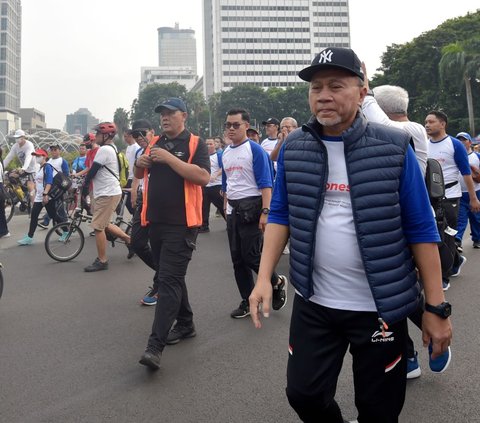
(351, 197)
(247, 180)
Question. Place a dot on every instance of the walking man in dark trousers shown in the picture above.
(173, 170)
(350, 195)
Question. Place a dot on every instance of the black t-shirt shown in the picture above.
(166, 195)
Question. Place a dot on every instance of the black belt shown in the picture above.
(451, 184)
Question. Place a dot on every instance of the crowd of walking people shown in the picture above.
(348, 183)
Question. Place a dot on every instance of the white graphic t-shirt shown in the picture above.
(473, 160)
(339, 278)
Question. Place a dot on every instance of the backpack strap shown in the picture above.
(118, 161)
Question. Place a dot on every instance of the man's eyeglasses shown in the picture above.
(234, 125)
(138, 134)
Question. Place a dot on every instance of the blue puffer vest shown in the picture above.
(374, 156)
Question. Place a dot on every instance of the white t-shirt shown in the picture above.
(39, 185)
(445, 151)
(104, 183)
(473, 160)
(268, 144)
(214, 168)
(339, 279)
(374, 113)
(130, 153)
(24, 154)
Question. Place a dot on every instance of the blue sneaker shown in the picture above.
(26, 240)
(456, 269)
(440, 364)
(413, 368)
(63, 238)
(445, 285)
(150, 298)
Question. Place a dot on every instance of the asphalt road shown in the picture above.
(70, 344)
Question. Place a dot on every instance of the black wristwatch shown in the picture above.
(443, 310)
(265, 211)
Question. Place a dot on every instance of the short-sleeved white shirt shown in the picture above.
(104, 183)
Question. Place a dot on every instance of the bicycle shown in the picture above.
(1, 280)
(71, 244)
(16, 194)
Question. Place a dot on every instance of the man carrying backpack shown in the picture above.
(105, 175)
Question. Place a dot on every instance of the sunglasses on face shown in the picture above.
(234, 125)
(138, 134)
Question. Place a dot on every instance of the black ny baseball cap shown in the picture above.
(333, 57)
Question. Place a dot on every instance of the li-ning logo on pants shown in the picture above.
(378, 336)
(325, 56)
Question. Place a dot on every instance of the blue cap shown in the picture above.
(172, 104)
(465, 135)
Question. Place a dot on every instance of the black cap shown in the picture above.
(141, 125)
(54, 145)
(251, 129)
(333, 57)
(171, 104)
(271, 120)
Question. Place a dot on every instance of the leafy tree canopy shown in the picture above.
(415, 67)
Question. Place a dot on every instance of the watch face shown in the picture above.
(447, 310)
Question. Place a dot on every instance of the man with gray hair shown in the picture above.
(388, 105)
(287, 125)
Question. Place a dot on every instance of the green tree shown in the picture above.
(415, 67)
(459, 65)
(122, 121)
(150, 97)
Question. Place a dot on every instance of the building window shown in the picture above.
(4, 9)
(3, 25)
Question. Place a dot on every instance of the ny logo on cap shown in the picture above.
(325, 56)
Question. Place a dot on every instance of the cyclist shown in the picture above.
(23, 149)
(59, 164)
(43, 181)
(3, 219)
(104, 173)
(79, 163)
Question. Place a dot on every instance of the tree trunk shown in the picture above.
(468, 91)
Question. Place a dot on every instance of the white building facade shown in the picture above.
(177, 59)
(266, 42)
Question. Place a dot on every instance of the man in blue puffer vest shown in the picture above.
(351, 197)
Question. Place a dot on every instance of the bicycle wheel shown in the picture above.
(1, 281)
(9, 205)
(66, 249)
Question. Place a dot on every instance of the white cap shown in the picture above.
(19, 133)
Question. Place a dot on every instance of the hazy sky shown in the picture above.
(88, 53)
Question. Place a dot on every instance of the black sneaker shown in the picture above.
(203, 229)
(96, 266)
(476, 244)
(151, 358)
(242, 311)
(179, 332)
(279, 296)
(131, 253)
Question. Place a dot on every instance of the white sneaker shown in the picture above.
(286, 250)
(7, 235)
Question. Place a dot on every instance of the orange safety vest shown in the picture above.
(193, 192)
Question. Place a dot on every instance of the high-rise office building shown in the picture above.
(266, 42)
(10, 63)
(80, 122)
(177, 47)
(177, 59)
